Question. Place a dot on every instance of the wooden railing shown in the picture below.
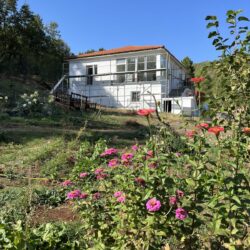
(74, 100)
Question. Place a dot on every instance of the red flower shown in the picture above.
(202, 126)
(145, 112)
(246, 131)
(216, 130)
(191, 133)
(197, 80)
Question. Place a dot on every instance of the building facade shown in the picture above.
(131, 77)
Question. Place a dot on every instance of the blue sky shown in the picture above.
(177, 24)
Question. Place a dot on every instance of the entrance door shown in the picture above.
(167, 106)
(89, 75)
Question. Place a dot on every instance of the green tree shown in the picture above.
(189, 66)
(27, 46)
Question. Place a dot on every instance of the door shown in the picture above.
(167, 106)
(89, 75)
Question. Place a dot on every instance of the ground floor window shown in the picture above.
(135, 96)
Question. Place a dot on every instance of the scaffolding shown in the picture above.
(122, 85)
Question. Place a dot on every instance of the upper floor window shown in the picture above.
(120, 65)
(131, 64)
(163, 62)
(151, 62)
(141, 63)
(146, 62)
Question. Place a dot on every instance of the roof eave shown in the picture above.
(112, 54)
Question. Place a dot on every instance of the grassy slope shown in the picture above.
(14, 87)
(36, 148)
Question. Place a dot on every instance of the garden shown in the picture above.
(132, 180)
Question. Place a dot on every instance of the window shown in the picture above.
(135, 96)
(130, 77)
(151, 62)
(120, 78)
(95, 70)
(131, 64)
(120, 65)
(151, 76)
(141, 63)
(142, 76)
(163, 62)
(163, 74)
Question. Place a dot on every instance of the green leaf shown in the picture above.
(190, 182)
(235, 198)
(211, 18)
(242, 18)
(216, 24)
(212, 34)
(147, 195)
(230, 12)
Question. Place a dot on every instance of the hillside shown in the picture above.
(14, 87)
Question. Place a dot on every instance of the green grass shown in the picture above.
(39, 152)
(46, 143)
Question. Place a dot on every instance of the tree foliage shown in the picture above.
(27, 45)
(189, 66)
(232, 69)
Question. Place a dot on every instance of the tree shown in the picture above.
(27, 46)
(188, 64)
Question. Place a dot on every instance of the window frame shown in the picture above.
(137, 96)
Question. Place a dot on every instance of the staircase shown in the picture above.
(72, 100)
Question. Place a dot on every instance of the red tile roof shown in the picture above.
(118, 50)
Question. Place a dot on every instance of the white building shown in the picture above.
(129, 77)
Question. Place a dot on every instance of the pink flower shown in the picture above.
(96, 196)
(173, 200)
(118, 194)
(99, 170)
(140, 181)
(180, 193)
(74, 194)
(202, 126)
(135, 147)
(152, 165)
(178, 154)
(67, 183)
(153, 205)
(113, 162)
(181, 213)
(149, 154)
(127, 156)
(82, 175)
(191, 133)
(121, 199)
(145, 112)
(83, 196)
(101, 176)
(109, 151)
